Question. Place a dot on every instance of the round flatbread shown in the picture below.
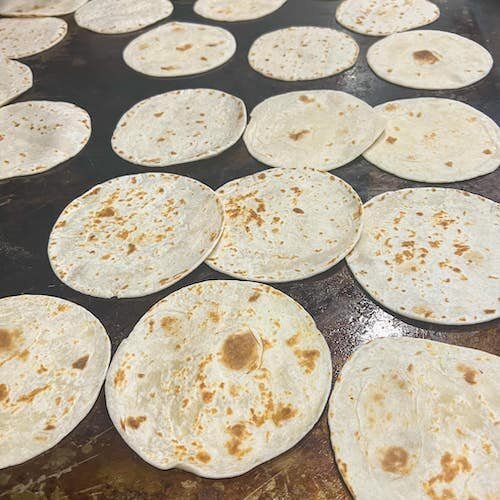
(431, 254)
(121, 16)
(229, 10)
(286, 224)
(432, 60)
(435, 140)
(180, 49)
(38, 135)
(322, 129)
(15, 79)
(43, 8)
(219, 377)
(26, 37)
(135, 235)
(53, 359)
(179, 127)
(303, 53)
(413, 419)
(384, 17)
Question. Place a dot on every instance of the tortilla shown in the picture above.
(322, 129)
(121, 16)
(384, 17)
(15, 79)
(431, 254)
(180, 49)
(179, 126)
(42, 8)
(53, 359)
(435, 140)
(303, 53)
(219, 377)
(38, 135)
(135, 235)
(411, 418)
(432, 60)
(286, 224)
(229, 10)
(26, 37)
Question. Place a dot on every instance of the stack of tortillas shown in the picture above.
(180, 49)
(322, 129)
(429, 59)
(219, 377)
(43, 8)
(53, 359)
(135, 235)
(303, 53)
(431, 254)
(15, 79)
(38, 135)
(229, 10)
(179, 127)
(286, 224)
(414, 419)
(435, 140)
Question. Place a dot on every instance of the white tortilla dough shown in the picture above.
(15, 79)
(229, 10)
(43, 8)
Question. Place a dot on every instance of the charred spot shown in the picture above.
(131, 248)
(298, 210)
(81, 363)
(240, 351)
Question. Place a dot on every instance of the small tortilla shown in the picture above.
(15, 79)
(180, 49)
(229, 10)
(179, 126)
(42, 8)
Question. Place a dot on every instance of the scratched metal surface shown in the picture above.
(87, 69)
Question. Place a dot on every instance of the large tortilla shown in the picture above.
(303, 53)
(412, 419)
(433, 60)
(15, 79)
(121, 16)
(179, 127)
(229, 10)
(431, 254)
(180, 49)
(53, 359)
(435, 140)
(286, 224)
(38, 135)
(26, 37)
(135, 235)
(384, 17)
(322, 129)
(219, 377)
(29, 8)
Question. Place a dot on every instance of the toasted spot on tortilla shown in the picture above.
(30, 396)
(169, 324)
(8, 339)
(239, 434)
(119, 377)
(184, 47)
(307, 358)
(254, 296)
(395, 460)
(204, 457)
(306, 99)
(105, 212)
(425, 57)
(391, 140)
(81, 363)
(469, 373)
(283, 413)
(135, 422)
(297, 136)
(240, 351)
(4, 392)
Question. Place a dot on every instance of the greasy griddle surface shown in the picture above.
(87, 69)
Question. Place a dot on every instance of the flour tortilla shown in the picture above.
(431, 254)
(286, 224)
(121, 16)
(135, 235)
(384, 17)
(435, 140)
(229, 10)
(26, 37)
(29, 8)
(322, 129)
(180, 49)
(432, 60)
(38, 135)
(15, 79)
(219, 377)
(53, 359)
(303, 53)
(179, 126)
(411, 418)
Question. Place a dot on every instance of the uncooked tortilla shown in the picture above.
(432, 60)
(53, 359)
(219, 377)
(286, 224)
(135, 235)
(180, 49)
(321, 129)
(435, 140)
(229, 10)
(412, 419)
(431, 254)
(15, 79)
(179, 126)
(43, 8)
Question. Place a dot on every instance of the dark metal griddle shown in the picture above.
(87, 69)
